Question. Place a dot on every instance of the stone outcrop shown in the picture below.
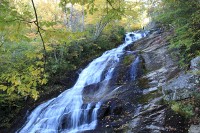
(194, 129)
(195, 64)
(137, 106)
(185, 84)
(181, 87)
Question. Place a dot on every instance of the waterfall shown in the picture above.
(134, 67)
(67, 113)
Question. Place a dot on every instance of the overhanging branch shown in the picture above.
(38, 30)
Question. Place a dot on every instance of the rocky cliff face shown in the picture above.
(137, 105)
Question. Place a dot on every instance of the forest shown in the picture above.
(44, 43)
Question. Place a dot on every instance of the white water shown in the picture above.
(68, 108)
(134, 67)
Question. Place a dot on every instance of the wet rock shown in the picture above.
(99, 130)
(115, 112)
(195, 64)
(157, 119)
(175, 123)
(194, 129)
(110, 107)
(121, 74)
(149, 120)
(89, 92)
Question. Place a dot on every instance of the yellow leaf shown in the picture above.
(40, 56)
(3, 87)
(44, 81)
(17, 82)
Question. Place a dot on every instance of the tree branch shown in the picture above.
(1, 44)
(38, 30)
(7, 21)
(110, 4)
(2, 40)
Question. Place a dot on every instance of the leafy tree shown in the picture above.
(34, 39)
(21, 67)
(183, 17)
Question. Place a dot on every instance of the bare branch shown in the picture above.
(110, 4)
(38, 30)
(22, 20)
(2, 40)
(1, 44)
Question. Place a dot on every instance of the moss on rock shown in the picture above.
(128, 59)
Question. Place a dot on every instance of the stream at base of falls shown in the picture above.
(67, 113)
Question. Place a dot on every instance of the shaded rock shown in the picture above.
(160, 76)
(99, 130)
(121, 74)
(157, 119)
(114, 113)
(175, 123)
(90, 91)
(194, 129)
(195, 64)
(118, 107)
(110, 107)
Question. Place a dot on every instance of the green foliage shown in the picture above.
(21, 70)
(114, 6)
(183, 109)
(128, 60)
(11, 21)
(69, 57)
(183, 16)
(10, 106)
(22, 61)
(196, 98)
(145, 98)
(187, 107)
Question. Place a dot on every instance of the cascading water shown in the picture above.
(134, 67)
(67, 113)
